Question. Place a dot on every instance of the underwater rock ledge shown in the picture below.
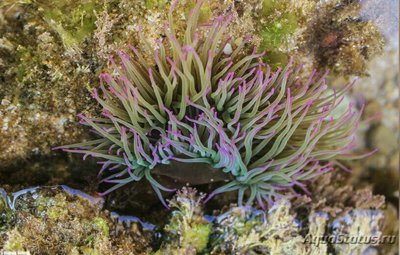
(61, 220)
(51, 53)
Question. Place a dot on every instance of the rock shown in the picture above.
(373, 111)
(61, 220)
(394, 161)
(228, 49)
(383, 139)
(377, 161)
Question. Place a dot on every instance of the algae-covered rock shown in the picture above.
(188, 230)
(327, 224)
(248, 231)
(342, 39)
(244, 230)
(42, 85)
(334, 34)
(60, 220)
(306, 227)
(51, 53)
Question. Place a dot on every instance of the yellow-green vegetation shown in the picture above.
(323, 34)
(101, 224)
(281, 19)
(155, 3)
(198, 236)
(6, 215)
(54, 208)
(205, 10)
(187, 231)
(14, 241)
(244, 230)
(52, 221)
(72, 20)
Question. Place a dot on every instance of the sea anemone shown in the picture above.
(263, 134)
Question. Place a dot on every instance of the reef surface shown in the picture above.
(51, 56)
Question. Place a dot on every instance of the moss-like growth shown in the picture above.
(326, 34)
(14, 241)
(7, 217)
(342, 39)
(284, 229)
(243, 230)
(155, 3)
(281, 21)
(53, 221)
(72, 20)
(102, 225)
(187, 231)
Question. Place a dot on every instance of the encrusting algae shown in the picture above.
(57, 220)
(213, 107)
(60, 220)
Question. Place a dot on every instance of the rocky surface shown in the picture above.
(61, 220)
(51, 53)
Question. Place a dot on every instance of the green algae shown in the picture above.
(14, 243)
(281, 23)
(6, 215)
(198, 236)
(50, 220)
(155, 3)
(72, 20)
(187, 231)
(102, 225)
(276, 30)
(79, 225)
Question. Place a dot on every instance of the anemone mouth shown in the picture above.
(192, 174)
